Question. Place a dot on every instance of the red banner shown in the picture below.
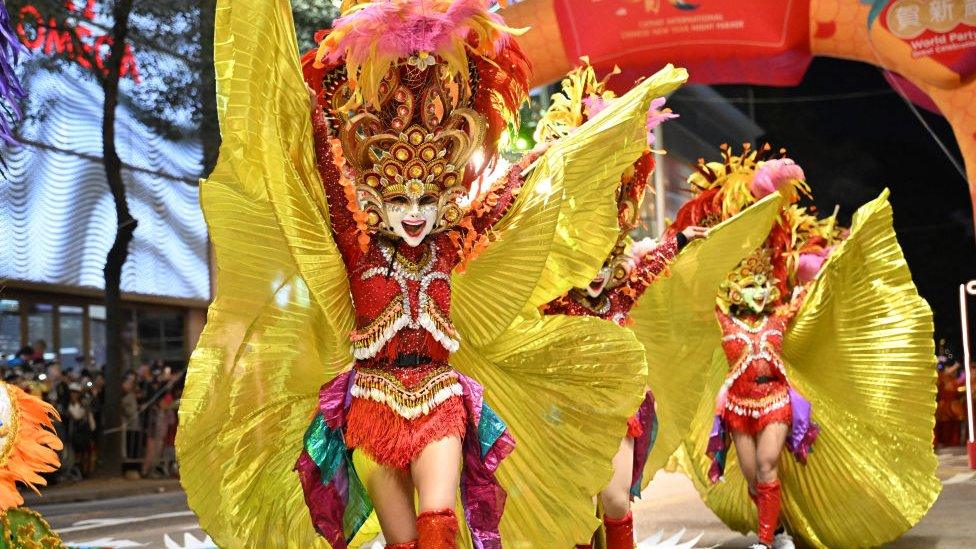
(941, 30)
(759, 42)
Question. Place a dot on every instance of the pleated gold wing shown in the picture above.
(565, 386)
(564, 222)
(276, 328)
(675, 322)
(861, 351)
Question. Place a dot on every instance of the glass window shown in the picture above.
(161, 335)
(96, 334)
(70, 321)
(40, 329)
(9, 327)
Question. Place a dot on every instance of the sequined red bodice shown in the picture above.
(402, 297)
(756, 384)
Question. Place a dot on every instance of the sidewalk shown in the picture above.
(98, 489)
(953, 463)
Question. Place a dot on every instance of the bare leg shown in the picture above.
(769, 447)
(437, 474)
(392, 493)
(616, 496)
(745, 450)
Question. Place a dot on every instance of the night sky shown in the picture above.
(851, 148)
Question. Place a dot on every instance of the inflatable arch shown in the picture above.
(926, 47)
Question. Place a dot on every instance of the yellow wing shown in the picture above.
(565, 386)
(675, 322)
(276, 329)
(861, 351)
(564, 222)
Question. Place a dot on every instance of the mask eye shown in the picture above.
(398, 200)
(428, 200)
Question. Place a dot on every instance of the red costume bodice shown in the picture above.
(757, 383)
(615, 303)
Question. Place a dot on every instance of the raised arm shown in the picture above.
(799, 295)
(340, 213)
(649, 260)
(492, 206)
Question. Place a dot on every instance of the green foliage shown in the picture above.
(311, 16)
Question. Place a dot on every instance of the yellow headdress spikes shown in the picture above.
(581, 96)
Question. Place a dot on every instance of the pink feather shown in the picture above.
(773, 174)
(400, 28)
(656, 116)
(809, 265)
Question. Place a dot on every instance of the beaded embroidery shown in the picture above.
(384, 387)
(367, 341)
(757, 347)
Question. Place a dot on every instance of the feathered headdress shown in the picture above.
(371, 37)
(583, 96)
(723, 189)
(28, 443)
(413, 90)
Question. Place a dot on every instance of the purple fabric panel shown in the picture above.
(804, 431)
(334, 399)
(324, 502)
(481, 495)
(646, 416)
(717, 450)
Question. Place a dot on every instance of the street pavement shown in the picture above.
(670, 511)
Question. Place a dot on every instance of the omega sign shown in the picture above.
(46, 37)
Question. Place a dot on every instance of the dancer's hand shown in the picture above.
(693, 232)
(313, 100)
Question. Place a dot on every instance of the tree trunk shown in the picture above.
(111, 438)
(209, 126)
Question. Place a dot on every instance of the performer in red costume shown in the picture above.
(393, 175)
(395, 137)
(756, 405)
(363, 283)
(627, 272)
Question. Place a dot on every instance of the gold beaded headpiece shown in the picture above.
(754, 270)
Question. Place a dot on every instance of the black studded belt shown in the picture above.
(411, 359)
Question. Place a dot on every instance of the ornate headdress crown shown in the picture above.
(755, 269)
(413, 89)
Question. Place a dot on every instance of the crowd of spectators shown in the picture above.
(150, 396)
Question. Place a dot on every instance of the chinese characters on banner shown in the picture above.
(942, 31)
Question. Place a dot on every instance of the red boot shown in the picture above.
(437, 530)
(407, 545)
(620, 532)
(768, 496)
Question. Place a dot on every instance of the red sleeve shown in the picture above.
(340, 215)
(651, 264)
(562, 305)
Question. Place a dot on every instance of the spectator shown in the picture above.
(161, 418)
(24, 357)
(40, 349)
(81, 429)
(950, 410)
(130, 416)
